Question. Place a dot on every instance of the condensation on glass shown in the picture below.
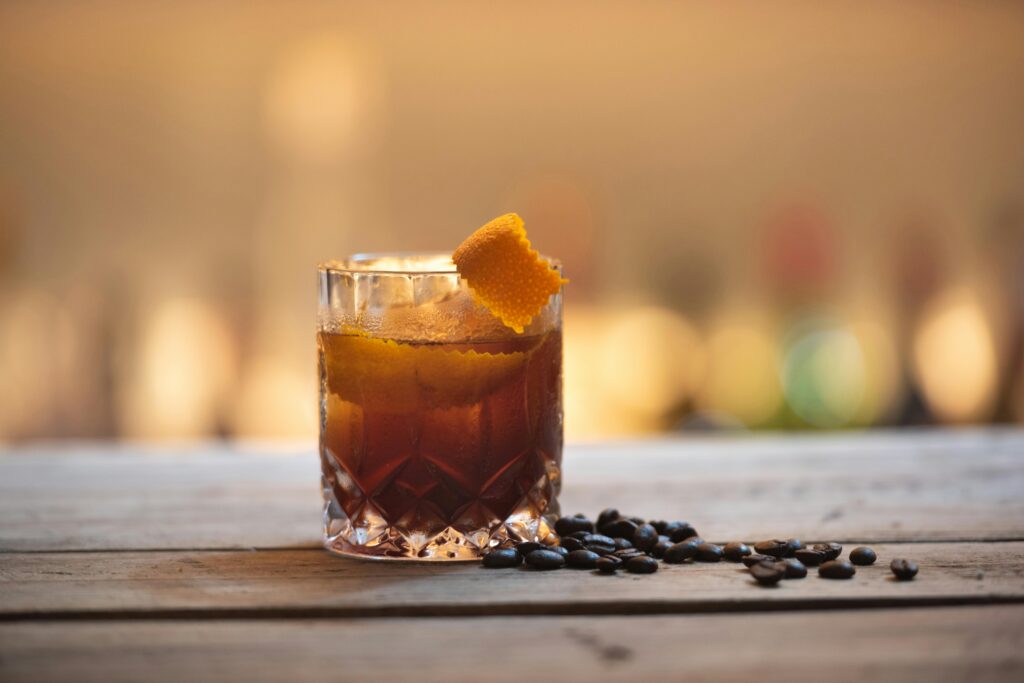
(440, 428)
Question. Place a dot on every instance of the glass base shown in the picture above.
(367, 535)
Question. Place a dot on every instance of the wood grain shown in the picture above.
(300, 583)
(948, 644)
(889, 486)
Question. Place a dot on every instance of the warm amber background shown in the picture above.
(774, 215)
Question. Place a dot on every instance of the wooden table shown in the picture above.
(202, 563)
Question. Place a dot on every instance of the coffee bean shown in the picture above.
(831, 550)
(608, 564)
(767, 573)
(527, 547)
(600, 548)
(709, 552)
(795, 569)
(680, 552)
(794, 545)
(735, 551)
(775, 547)
(659, 525)
(680, 531)
(836, 569)
(659, 548)
(580, 535)
(564, 552)
(582, 559)
(811, 557)
(863, 556)
(904, 569)
(639, 521)
(545, 559)
(622, 543)
(571, 544)
(606, 517)
(641, 565)
(751, 560)
(620, 528)
(567, 525)
(645, 537)
(502, 557)
(598, 538)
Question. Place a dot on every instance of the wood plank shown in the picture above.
(948, 644)
(890, 486)
(300, 583)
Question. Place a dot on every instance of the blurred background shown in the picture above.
(774, 215)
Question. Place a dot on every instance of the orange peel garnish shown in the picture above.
(505, 273)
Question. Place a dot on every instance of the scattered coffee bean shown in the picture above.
(680, 532)
(639, 521)
(709, 552)
(582, 559)
(623, 543)
(606, 517)
(904, 569)
(563, 551)
(580, 534)
(680, 552)
(527, 547)
(775, 547)
(735, 551)
(794, 545)
(571, 544)
(811, 557)
(645, 537)
(831, 550)
(545, 559)
(628, 552)
(767, 573)
(600, 548)
(620, 528)
(836, 569)
(659, 525)
(751, 560)
(641, 564)
(503, 557)
(598, 538)
(659, 548)
(608, 564)
(567, 525)
(863, 556)
(795, 569)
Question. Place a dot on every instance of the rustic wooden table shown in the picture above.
(202, 563)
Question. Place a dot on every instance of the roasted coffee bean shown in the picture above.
(527, 547)
(599, 538)
(767, 573)
(659, 525)
(620, 528)
(709, 552)
(606, 517)
(599, 548)
(639, 521)
(680, 531)
(645, 536)
(623, 543)
(794, 545)
(641, 564)
(680, 552)
(659, 548)
(811, 557)
(904, 569)
(545, 559)
(503, 557)
(579, 535)
(751, 560)
(831, 550)
(564, 552)
(735, 551)
(571, 544)
(795, 569)
(567, 525)
(608, 564)
(775, 547)
(863, 556)
(627, 555)
(582, 559)
(837, 569)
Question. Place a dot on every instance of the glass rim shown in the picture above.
(361, 263)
